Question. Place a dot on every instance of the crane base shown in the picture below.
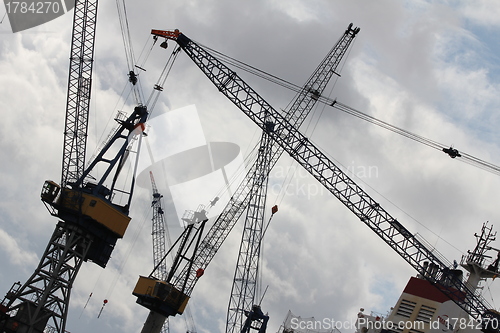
(160, 296)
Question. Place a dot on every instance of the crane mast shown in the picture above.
(245, 280)
(91, 219)
(299, 147)
(90, 224)
(156, 322)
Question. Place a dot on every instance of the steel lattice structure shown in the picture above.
(81, 235)
(79, 89)
(184, 277)
(46, 293)
(241, 198)
(245, 277)
(92, 219)
(159, 245)
(43, 296)
(245, 281)
(158, 232)
(289, 138)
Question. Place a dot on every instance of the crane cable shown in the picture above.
(453, 153)
(124, 96)
(127, 43)
(252, 70)
(466, 158)
(342, 107)
(120, 104)
(449, 150)
(158, 87)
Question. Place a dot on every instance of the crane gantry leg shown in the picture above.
(46, 294)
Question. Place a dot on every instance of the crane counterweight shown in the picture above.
(160, 296)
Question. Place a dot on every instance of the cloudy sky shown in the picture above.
(430, 67)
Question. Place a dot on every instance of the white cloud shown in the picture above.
(13, 250)
(482, 12)
(299, 10)
(417, 65)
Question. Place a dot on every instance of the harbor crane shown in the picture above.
(91, 217)
(242, 304)
(176, 291)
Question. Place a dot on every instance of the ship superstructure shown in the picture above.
(423, 308)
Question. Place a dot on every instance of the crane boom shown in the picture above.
(158, 231)
(299, 147)
(90, 224)
(79, 89)
(48, 287)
